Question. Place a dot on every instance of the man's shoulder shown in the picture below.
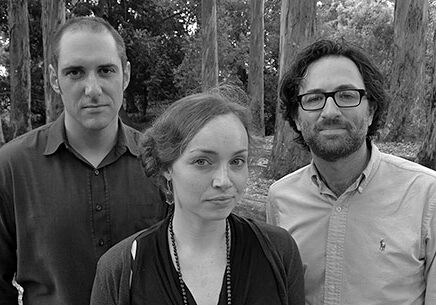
(31, 140)
(404, 166)
(292, 178)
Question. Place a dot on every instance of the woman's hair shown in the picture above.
(168, 137)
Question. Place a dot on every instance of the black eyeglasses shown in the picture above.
(344, 98)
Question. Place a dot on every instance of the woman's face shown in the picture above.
(210, 176)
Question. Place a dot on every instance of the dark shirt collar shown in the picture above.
(127, 138)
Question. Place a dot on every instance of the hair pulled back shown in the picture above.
(170, 134)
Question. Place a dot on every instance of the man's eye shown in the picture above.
(348, 94)
(74, 73)
(314, 98)
(107, 70)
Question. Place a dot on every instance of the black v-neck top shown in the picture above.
(265, 269)
(155, 279)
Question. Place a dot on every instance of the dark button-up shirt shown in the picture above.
(59, 214)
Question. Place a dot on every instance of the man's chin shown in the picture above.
(335, 150)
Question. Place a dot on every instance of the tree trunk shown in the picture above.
(427, 152)
(297, 27)
(255, 64)
(19, 53)
(209, 54)
(407, 83)
(52, 16)
(2, 135)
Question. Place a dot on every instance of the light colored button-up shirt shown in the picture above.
(375, 244)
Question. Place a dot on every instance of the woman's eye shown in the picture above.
(238, 162)
(201, 162)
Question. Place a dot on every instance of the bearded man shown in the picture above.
(364, 221)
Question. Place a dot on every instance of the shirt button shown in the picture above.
(96, 172)
(338, 209)
(101, 242)
(98, 207)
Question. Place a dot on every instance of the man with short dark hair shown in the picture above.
(72, 188)
(364, 221)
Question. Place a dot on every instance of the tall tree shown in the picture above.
(52, 16)
(407, 79)
(19, 53)
(427, 152)
(256, 64)
(209, 57)
(297, 27)
(2, 135)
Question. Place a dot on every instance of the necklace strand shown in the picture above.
(179, 272)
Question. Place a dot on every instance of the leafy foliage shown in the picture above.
(163, 43)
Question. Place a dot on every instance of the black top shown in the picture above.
(265, 269)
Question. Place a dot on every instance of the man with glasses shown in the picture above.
(364, 221)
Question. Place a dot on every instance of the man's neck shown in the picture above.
(340, 174)
(93, 145)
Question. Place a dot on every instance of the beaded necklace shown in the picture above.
(179, 272)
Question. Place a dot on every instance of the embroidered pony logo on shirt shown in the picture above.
(382, 245)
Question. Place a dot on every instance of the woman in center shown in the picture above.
(198, 151)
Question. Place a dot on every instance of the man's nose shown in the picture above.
(92, 87)
(330, 108)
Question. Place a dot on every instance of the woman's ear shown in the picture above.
(167, 174)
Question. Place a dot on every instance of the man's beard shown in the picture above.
(338, 146)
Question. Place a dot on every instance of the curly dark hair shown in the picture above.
(372, 78)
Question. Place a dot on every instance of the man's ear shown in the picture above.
(126, 75)
(54, 82)
(371, 111)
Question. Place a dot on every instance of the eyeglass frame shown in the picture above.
(362, 93)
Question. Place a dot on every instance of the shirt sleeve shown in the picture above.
(282, 252)
(295, 275)
(111, 282)
(430, 255)
(8, 246)
(270, 210)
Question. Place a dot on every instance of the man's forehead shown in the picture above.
(331, 71)
(77, 46)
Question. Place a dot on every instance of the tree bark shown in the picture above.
(407, 82)
(209, 54)
(52, 16)
(297, 27)
(256, 64)
(2, 135)
(427, 152)
(19, 53)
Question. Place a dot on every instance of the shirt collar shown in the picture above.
(56, 136)
(127, 138)
(361, 182)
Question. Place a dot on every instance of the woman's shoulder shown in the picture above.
(121, 251)
(279, 237)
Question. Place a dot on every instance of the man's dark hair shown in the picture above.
(93, 24)
(372, 78)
